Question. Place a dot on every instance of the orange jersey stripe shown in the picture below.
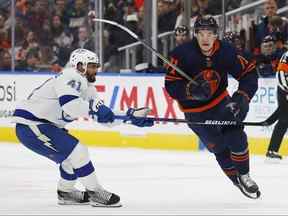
(249, 68)
(282, 67)
(240, 159)
(230, 172)
(215, 47)
(168, 77)
(212, 104)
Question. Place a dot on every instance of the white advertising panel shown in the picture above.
(121, 92)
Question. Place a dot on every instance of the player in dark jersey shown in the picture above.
(208, 61)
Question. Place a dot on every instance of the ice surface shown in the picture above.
(149, 182)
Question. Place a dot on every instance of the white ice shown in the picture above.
(148, 181)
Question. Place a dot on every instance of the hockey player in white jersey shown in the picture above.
(40, 122)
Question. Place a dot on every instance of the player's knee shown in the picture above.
(79, 156)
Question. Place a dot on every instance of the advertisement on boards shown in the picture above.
(120, 92)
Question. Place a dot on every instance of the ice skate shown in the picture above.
(248, 187)
(74, 197)
(103, 198)
(273, 157)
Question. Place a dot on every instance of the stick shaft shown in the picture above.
(165, 60)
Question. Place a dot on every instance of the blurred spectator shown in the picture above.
(208, 7)
(267, 60)
(255, 11)
(61, 43)
(5, 56)
(271, 24)
(200, 7)
(138, 4)
(140, 15)
(21, 31)
(167, 15)
(118, 37)
(59, 8)
(37, 16)
(4, 23)
(5, 42)
(4, 4)
(182, 35)
(84, 40)
(32, 61)
(61, 36)
(77, 14)
(238, 42)
(22, 7)
(30, 42)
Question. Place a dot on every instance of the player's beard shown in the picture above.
(91, 78)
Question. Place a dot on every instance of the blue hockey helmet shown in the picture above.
(206, 22)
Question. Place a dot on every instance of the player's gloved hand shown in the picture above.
(239, 106)
(137, 117)
(201, 92)
(104, 114)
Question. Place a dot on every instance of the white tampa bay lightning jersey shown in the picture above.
(59, 100)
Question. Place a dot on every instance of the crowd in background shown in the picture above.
(46, 31)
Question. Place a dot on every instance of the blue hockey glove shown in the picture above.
(138, 118)
(239, 106)
(104, 114)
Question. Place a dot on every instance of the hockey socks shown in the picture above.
(226, 164)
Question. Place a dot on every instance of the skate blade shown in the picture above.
(66, 202)
(116, 205)
(272, 160)
(255, 195)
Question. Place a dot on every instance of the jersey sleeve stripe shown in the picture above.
(29, 116)
(64, 99)
(282, 81)
(66, 175)
(84, 170)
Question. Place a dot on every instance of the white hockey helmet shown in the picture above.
(84, 57)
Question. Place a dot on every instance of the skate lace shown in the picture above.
(101, 196)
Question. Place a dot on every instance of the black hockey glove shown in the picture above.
(238, 106)
(201, 92)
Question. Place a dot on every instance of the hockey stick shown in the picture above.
(165, 60)
(269, 121)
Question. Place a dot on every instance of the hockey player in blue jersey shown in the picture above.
(208, 61)
(40, 122)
